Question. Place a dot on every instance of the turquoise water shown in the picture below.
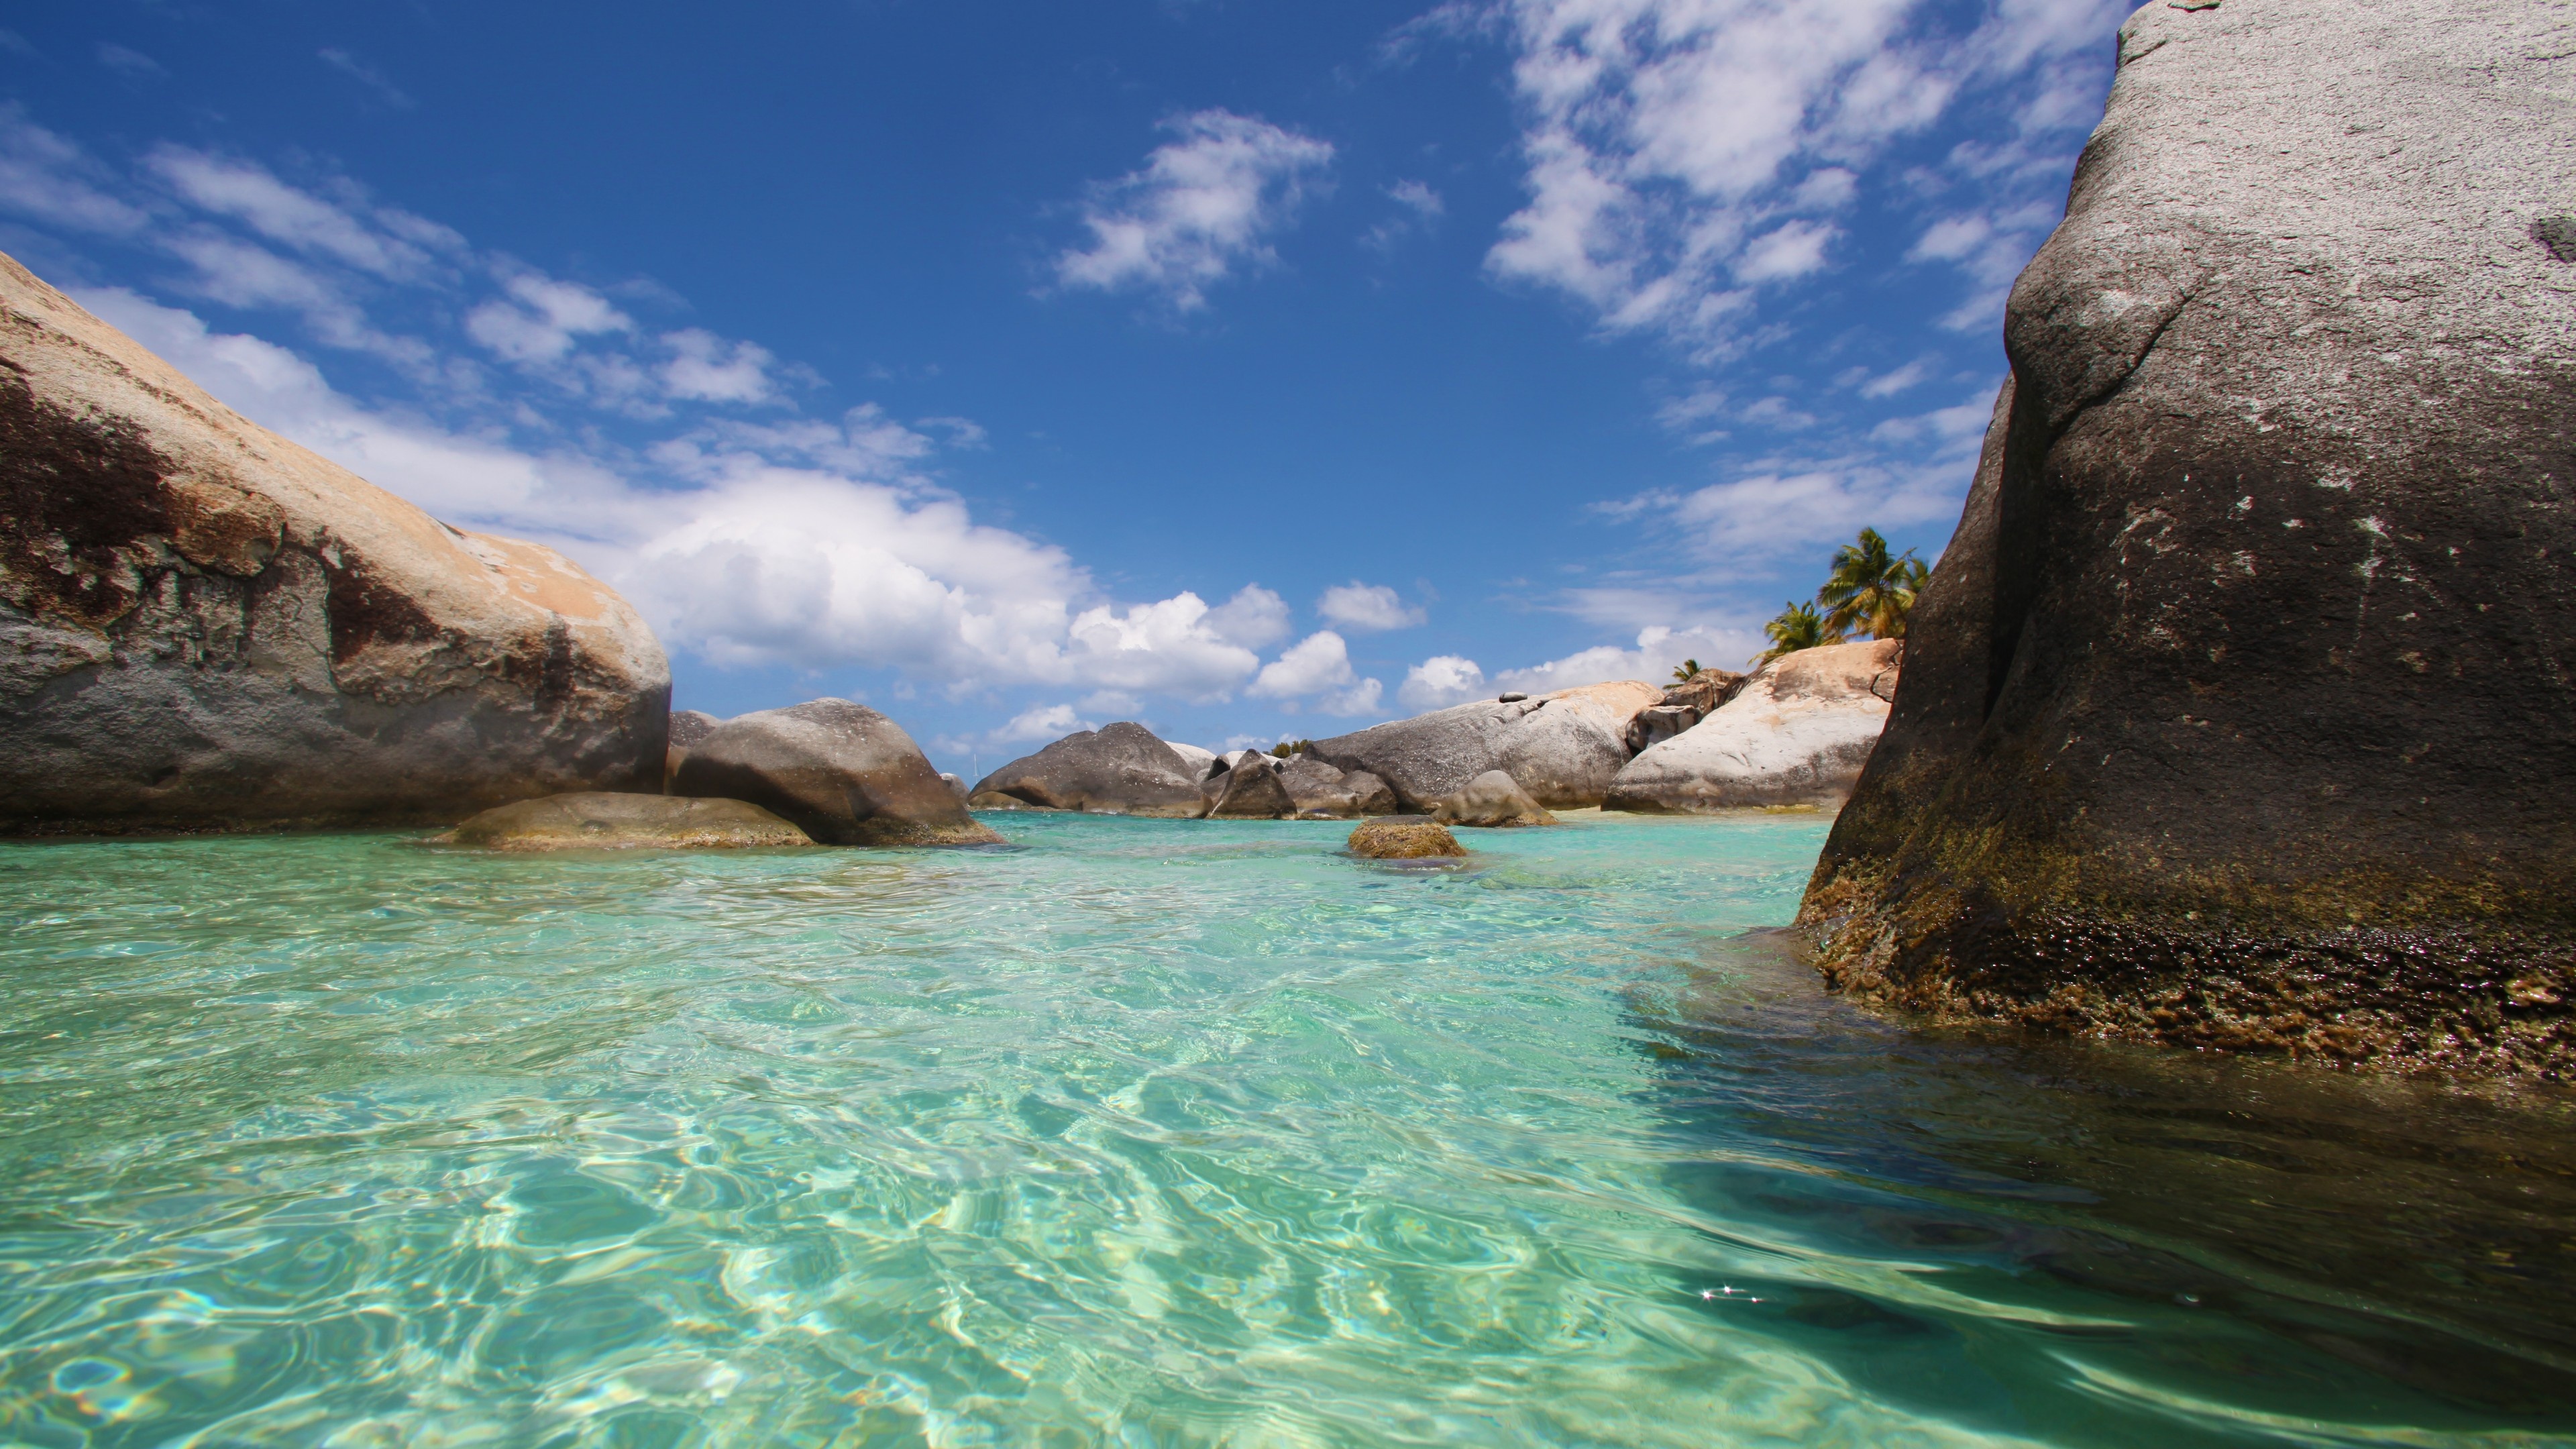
(1179, 1133)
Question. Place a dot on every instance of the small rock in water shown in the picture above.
(604, 820)
(1492, 799)
(1404, 837)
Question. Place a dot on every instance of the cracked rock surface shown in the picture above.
(204, 626)
(2237, 713)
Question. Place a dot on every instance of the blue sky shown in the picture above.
(1245, 368)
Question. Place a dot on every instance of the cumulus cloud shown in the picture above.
(1318, 667)
(1440, 681)
(1255, 618)
(1200, 207)
(1040, 724)
(1367, 608)
(705, 368)
(1667, 144)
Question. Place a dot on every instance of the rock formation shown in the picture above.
(1321, 789)
(2237, 712)
(841, 772)
(204, 626)
(1404, 837)
(602, 820)
(1796, 733)
(1119, 769)
(688, 726)
(1492, 800)
(1684, 704)
(1563, 748)
(1201, 763)
(1251, 790)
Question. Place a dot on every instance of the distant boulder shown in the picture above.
(1322, 789)
(1202, 763)
(1562, 748)
(1252, 790)
(840, 771)
(1797, 733)
(956, 786)
(688, 726)
(1119, 769)
(1492, 800)
(1404, 837)
(1684, 704)
(604, 820)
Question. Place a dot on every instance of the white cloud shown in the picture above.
(1658, 651)
(704, 368)
(368, 76)
(1369, 608)
(1255, 618)
(1664, 141)
(1890, 383)
(542, 318)
(289, 215)
(1318, 666)
(132, 64)
(1199, 208)
(1440, 681)
(48, 179)
(1041, 724)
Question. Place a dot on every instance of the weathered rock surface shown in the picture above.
(605, 820)
(1684, 704)
(1202, 763)
(1252, 790)
(841, 772)
(688, 726)
(2237, 712)
(1404, 837)
(204, 626)
(1321, 789)
(956, 785)
(1563, 748)
(1118, 769)
(1796, 733)
(1492, 800)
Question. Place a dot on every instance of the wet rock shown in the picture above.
(1563, 748)
(840, 771)
(1491, 800)
(2230, 717)
(1796, 734)
(204, 626)
(1320, 789)
(1404, 837)
(605, 820)
(1252, 790)
(1119, 769)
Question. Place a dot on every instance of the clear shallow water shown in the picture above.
(1165, 1133)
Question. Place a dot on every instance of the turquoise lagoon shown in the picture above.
(1180, 1133)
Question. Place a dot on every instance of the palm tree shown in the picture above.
(1684, 670)
(1798, 627)
(1871, 590)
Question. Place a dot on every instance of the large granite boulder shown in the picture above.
(204, 626)
(1251, 790)
(1684, 704)
(605, 820)
(1563, 748)
(1797, 733)
(1201, 762)
(1118, 769)
(1322, 789)
(2237, 712)
(841, 772)
(1491, 801)
(688, 726)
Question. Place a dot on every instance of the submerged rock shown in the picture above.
(1251, 790)
(204, 626)
(1321, 789)
(1491, 800)
(2236, 713)
(1563, 748)
(1797, 733)
(1404, 837)
(842, 772)
(1119, 769)
(606, 820)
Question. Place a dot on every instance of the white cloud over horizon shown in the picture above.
(1367, 608)
(1198, 210)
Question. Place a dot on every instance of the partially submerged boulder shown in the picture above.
(2236, 714)
(204, 626)
(1797, 733)
(1404, 837)
(1321, 789)
(1251, 790)
(1563, 748)
(1492, 800)
(607, 820)
(840, 771)
(1119, 769)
